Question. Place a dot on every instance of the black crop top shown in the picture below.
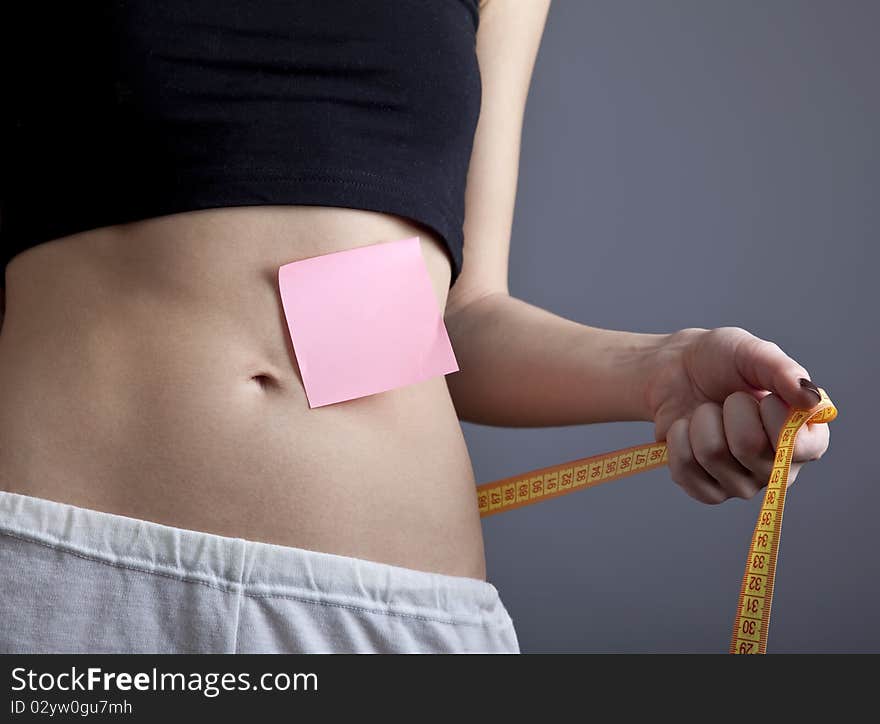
(124, 110)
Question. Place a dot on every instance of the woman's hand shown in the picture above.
(719, 398)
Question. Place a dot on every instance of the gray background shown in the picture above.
(723, 157)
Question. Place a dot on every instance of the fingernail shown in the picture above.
(808, 385)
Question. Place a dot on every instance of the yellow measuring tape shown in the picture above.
(753, 611)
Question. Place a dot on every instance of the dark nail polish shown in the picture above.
(808, 385)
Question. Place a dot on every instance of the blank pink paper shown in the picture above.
(364, 320)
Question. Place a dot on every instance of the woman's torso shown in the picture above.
(146, 370)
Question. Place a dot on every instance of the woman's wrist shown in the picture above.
(639, 357)
(635, 365)
(619, 368)
(666, 358)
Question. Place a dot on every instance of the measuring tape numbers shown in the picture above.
(753, 610)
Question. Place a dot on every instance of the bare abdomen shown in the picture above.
(146, 370)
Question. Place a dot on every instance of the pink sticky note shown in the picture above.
(364, 320)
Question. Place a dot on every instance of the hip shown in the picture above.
(112, 584)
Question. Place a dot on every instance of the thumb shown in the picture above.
(765, 366)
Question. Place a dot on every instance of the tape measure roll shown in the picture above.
(753, 610)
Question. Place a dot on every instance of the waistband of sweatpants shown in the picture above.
(251, 567)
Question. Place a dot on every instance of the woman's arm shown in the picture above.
(521, 365)
(717, 397)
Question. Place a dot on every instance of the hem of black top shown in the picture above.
(220, 188)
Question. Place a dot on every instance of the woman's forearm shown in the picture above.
(523, 366)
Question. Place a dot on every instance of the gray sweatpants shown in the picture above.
(77, 580)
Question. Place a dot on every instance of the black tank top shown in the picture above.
(124, 110)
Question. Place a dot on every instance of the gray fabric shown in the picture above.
(76, 580)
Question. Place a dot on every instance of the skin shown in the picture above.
(144, 373)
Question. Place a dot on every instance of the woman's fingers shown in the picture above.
(728, 451)
(684, 468)
(747, 434)
(812, 439)
(764, 365)
(711, 449)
